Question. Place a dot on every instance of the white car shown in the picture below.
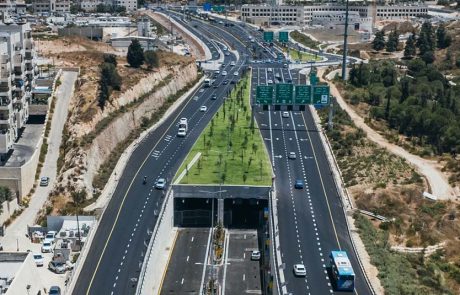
(285, 114)
(299, 270)
(50, 236)
(235, 74)
(57, 267)
(292, 156)
(269, 70)
(203, 108)
(224, 73)
(160, 183)
(217, 72)
(270, 82)
(201, 90)
(38, 258)
(232, 64)
(183, 121)
(181, 132)
(47, 246)
(255, 255)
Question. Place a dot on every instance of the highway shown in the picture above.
(115, 258)
(311, 221)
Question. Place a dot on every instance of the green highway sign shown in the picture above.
(284, 93)
(284, 36)
(220, 8)
(321, 94)
(268, 36)
(264, 94)
(302, 94)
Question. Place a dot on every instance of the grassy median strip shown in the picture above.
(231, 151)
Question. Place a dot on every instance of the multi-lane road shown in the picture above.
(311, 221)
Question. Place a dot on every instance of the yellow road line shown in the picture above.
(129, 188)
(167, 264)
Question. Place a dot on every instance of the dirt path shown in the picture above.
(438, 181)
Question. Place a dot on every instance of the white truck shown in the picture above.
(183, 127)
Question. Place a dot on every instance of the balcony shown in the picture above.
(4, 141)
(4, 119)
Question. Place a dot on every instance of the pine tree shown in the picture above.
(443, 39)
(410, 50)
(379, 40)
(426, 41)
(393, 41)
(135, 54)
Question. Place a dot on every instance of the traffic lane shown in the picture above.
(312, 240)
(112, 209)
(335, 204)
(327, 206)
(242, 274)
(288, 227)
(184, 272)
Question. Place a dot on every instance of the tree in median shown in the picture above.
(379, 40)
(151, 59)
(135, 54)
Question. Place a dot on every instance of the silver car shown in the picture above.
(160, 183)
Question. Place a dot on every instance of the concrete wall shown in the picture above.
(7, 209)
(55, 222)
(88, 32)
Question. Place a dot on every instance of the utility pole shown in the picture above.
(345, 45)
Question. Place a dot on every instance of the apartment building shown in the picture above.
(46, 7)
(263, 14)
(130, 5)
(13, 7)
(17, 78)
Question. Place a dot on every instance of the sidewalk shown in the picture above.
(15, 234)
(438, 182)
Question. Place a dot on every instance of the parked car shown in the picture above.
(44, 181)
(255, 255)
(299, 270)
(51, 235)
(57, 267)
(54, 290)
(298, 184)
(38, 258)
(160, 183)
(47, 246)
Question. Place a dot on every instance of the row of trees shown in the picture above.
(136, 56)
(427, 41)
(421, 105)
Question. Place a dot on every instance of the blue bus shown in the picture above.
(343, 276)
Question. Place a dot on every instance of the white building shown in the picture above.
(336, 20)
(130, 5)
(48, 7)
(19, 275)
(263, 14)
(17, 78)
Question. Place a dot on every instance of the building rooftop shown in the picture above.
(10, 263)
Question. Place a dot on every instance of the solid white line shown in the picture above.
(204, 263)
(227, 236)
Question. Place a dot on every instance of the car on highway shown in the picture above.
(285, 65)
(201, 90)
(298, 184)
(44, 181)
(292, 156)
(181, 132)
(160, 183)
(54, 290)
(38, 258)
(47, 246)
(235, 74)
(214, 97)
(56, 267)
(255, 255)
(269, 70)
(217, 72)
(285, 114)
(232, 64)
(224, 73)
(227, 53)
(270, 82)
(225, 82)
(221, 22)
(203, 108)
(299, 270)
(195, 98)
